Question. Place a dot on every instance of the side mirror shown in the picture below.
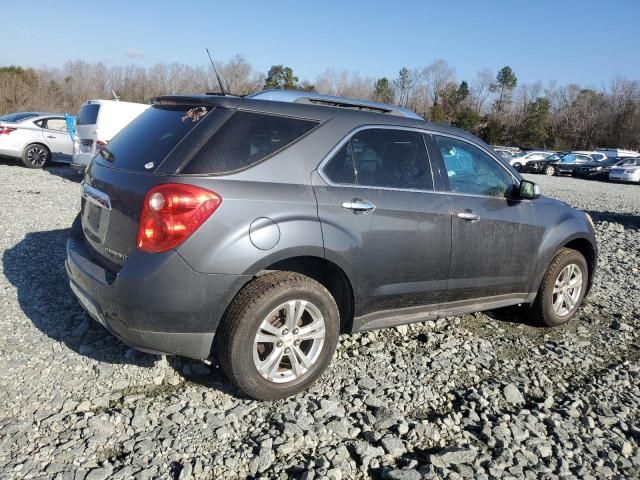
(529, 190)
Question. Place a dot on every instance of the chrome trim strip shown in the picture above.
(95, 196)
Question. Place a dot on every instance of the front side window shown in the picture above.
(384, 158)
(472, 171)
(246, 139)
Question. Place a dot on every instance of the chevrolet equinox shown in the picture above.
(259, 228)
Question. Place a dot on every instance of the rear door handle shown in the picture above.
(359, 205)
(51, 136)
(468, 216)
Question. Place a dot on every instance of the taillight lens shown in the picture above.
(171, 213)
(6, 130)
(100, 144)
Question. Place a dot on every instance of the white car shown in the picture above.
(595, 156)
(520, 160)
(35, 137)
(98, 122)
(628, 171)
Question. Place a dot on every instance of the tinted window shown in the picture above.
(152, 135)
(470, 170)
(341, 168)
(16, 117)
(88, 114)
(59, 124)
(244, 140)
(382, 158)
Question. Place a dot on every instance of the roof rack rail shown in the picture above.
(295, 96)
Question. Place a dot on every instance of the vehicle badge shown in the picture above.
(148, 165)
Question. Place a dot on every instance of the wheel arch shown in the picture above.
(328, 274)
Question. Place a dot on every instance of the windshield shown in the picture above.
(16, 117)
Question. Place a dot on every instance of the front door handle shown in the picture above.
(51, 136)
(359, 205)
(468, 216)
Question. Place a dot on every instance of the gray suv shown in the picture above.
(259, 228)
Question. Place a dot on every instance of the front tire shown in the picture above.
(278, 335)
(35, 156)
(562, 289)
(550, 170)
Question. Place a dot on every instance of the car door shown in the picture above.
(382, 221)
(57, 137)
(494, 238)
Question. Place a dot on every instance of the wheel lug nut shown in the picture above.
(286, 350)
(296, 343)
(295, 331)
(279, 344)
(285, 331)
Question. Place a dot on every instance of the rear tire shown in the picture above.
(550, 170)
(557, 301)
(278, 335)
(35, 155)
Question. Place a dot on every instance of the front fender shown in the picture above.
(568, 225)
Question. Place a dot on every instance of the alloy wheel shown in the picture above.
(37, 156)
(567, 290)
(289, 341)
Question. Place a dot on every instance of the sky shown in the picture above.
(586, 42)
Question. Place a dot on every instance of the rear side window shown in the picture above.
(88, 114)
(246, 139)
(385, 158)
(147, 140)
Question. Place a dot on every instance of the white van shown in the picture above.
(98, 122)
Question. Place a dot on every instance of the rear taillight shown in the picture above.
(100, 144)
(6, 130)
(171, 213)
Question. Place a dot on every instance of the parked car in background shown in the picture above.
(627, 171)
(261, 227)
(571, 161)
(504, 153)
(519, 161)
(598, 170)
(98, 122)
(556, 163)
(594, 155)
(35, 138)
(618, 152)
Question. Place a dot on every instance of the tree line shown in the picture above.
(492, 104)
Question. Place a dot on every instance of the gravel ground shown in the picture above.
(473, 396)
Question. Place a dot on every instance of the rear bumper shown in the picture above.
(81, 160)
(156, 303)
(625, 177)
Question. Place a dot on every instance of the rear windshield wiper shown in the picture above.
(106, 154)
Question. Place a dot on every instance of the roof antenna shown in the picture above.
(220, 82)
(115, 97)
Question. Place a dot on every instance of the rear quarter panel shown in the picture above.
(223, 244)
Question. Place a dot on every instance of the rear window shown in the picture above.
(244, 140)
(151, 136)
(88, 114)
(16, 117)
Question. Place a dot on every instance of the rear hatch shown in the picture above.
(86, 127)
(118, 179)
